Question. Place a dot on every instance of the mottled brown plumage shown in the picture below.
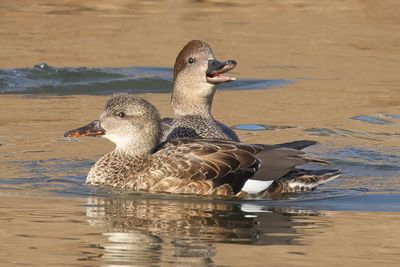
(182, 166)
(299, 180)
(186, 166)
(191, 166)
(192, 98)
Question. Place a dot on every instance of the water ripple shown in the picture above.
(372, 119)
(45, 79)
(260, 127)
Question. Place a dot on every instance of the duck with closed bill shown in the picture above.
(183, 166)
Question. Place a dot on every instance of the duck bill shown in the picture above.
(92, 129)
(216, 68)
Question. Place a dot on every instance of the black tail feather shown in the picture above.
(298, 145)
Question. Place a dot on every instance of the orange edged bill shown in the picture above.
(92, 129)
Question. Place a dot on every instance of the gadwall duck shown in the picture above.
(196, 73)
(196, 166)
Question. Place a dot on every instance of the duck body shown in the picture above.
(193, 92)
(204, 167)
(183, 166)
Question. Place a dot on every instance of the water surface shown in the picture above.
(332, 76)
(45, 79)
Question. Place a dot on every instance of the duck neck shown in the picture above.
(136, 144)
(134, 149)
(189, 100)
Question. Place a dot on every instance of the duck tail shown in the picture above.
(298, 145)
(301, 181)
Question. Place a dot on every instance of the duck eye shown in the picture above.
(121, 114)
(191, 60)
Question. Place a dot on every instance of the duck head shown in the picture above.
(196, 73)
(130, 122)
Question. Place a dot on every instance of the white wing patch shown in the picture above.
(256, 186)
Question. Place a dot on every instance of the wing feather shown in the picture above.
(202, 159)
(220, 162)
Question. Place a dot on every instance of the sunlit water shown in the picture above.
(140, 229)
(44, 79)
(49, 217)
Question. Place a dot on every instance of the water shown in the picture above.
(43, 187)
(66, 176)
(259, 127)
(332, 76)
(44, 79)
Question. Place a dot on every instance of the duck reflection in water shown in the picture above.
(185, 233)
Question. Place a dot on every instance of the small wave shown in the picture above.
(45, 79)
(372, 119)
(375, 170)
(260, 127)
